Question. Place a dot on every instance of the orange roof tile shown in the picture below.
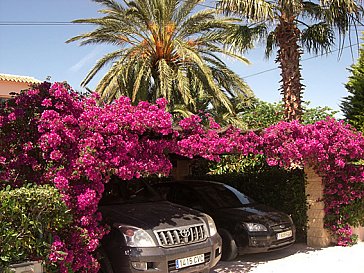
(16, 78)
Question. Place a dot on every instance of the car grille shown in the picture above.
(172, 263)
(181, 236)
(281, 227)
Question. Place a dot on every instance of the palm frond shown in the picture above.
(185, 10)
(111, 4)
(109, 82)
(100, 64)
(318, 38)
(207, 76)
(233, 84)
(183, 86)
(227, 52)
(312, 10)
(180, 110)
(240, 37)
(138, 80)
(193, 24)
(271, 44)
(342, 14)
(165, 79)
(255, 10)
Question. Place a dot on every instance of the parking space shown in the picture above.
(299, 259)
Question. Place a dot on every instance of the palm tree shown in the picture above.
(165, 49)
(297, 24)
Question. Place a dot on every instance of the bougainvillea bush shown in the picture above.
(332, 148)
(53, 134)
(59, 137)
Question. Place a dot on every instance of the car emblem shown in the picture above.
(282, 226)
(184, 233)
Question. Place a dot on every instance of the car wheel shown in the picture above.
(105, 264)
(229, 249)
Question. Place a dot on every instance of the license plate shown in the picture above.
(284, 235)
(184, 262)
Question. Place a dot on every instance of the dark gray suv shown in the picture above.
(244, 225)
(148, 234)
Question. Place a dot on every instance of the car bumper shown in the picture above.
(259, 244)
(159, 259)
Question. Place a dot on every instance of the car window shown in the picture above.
(164, 190)
(244, 200)
(180, 195)
(186, 197)
(222, 196)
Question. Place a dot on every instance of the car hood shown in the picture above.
(255, 213)
(150, 215)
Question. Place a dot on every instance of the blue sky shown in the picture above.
(41, 51)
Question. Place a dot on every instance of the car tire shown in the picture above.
(229, 248)
(105, 264)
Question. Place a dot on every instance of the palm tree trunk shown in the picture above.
(289, 55)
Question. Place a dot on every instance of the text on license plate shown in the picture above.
(184, 262)
(284, 235)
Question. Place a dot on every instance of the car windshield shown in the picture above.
(125, 192)
(223, 196)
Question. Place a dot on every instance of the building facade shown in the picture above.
(14, 83)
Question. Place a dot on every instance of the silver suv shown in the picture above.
(148, 234)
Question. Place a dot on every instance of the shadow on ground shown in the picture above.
(247, 263)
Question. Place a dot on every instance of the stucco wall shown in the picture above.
(360, 232)
(7, 87)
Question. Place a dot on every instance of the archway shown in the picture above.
(52, 135)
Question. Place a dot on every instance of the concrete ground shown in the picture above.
(299, 258)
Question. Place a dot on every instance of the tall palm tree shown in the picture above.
(165, 48)
(297, 25)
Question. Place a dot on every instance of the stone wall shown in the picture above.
(27, 267)
(317, 235)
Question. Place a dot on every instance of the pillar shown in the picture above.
(360, 232)
(182, 169)
(317, 235)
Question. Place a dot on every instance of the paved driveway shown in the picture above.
(299, 259)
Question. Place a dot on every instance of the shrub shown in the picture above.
(29, 217)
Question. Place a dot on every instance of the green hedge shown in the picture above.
(272, 186)
(29, 216)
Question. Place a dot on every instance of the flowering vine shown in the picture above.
(331, 148)
(50, 134)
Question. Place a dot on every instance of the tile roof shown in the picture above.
(16, 78)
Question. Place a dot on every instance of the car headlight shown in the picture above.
(136, 237)
(211, 225)
(255, 227)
